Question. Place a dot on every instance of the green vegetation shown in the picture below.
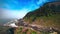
(48, 15)
(33, 32)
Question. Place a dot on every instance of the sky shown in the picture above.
(19, 8)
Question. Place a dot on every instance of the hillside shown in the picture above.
(44, 20)
(48, 15)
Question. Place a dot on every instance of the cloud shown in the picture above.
(14, 13)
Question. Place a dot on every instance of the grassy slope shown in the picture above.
(52, 19)
(44, 16)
